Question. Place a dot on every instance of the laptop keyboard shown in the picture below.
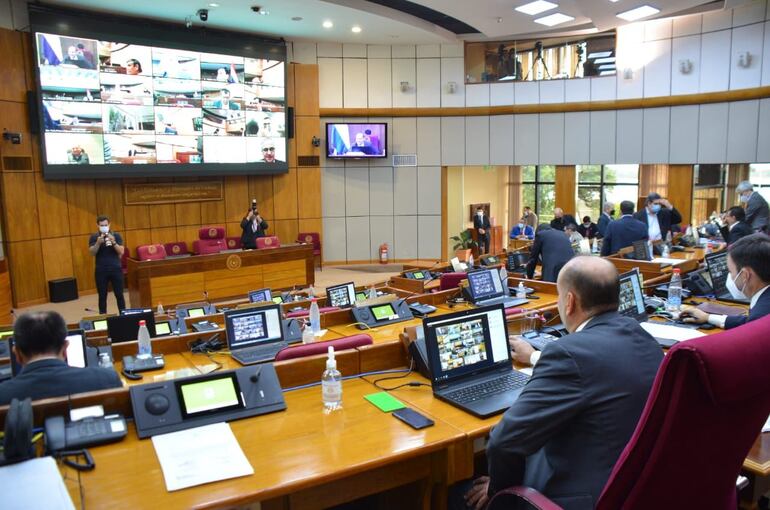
(504, 300)
(511, 381)
(258, 354)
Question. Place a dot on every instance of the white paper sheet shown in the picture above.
(670, 332)
(200, 455)
(664, 260)
(36, 483)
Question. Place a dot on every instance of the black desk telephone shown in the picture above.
(421, 310)
(65, 439)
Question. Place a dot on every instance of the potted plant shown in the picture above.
(463, 245)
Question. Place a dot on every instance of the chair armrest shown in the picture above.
(500, 500)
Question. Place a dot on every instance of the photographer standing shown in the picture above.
(108, 248)
(253, 226)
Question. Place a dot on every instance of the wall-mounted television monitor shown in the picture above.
(123, 97)
(356, 140)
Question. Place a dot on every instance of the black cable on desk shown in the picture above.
(376, 382)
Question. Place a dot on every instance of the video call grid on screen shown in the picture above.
(484, 284)
(106, 103)
(631, 299)
(253, 327)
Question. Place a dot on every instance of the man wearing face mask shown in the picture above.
(522, 231)
(587, 229)
(608, 212)
(749, 278)
(658, 215)
(482, 225)
(107, 248)
(568, 427)
(757, 211)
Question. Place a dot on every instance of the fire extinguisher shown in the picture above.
(384, 253)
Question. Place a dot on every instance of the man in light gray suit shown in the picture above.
(757, 212)
(577, 412)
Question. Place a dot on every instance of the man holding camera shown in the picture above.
(253, 226)
(107, 247)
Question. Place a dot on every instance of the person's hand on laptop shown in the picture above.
(520, 350)
(694, 316)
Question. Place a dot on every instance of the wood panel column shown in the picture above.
(566, 188)
(680, 190)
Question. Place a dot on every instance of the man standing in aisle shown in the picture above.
(608, 211)
(757, 211)
(482, 226)
(107, 247)
(658, 214)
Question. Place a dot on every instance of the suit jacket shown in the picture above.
(739, 230)
(481, 223)
(565, 220)
(621, 233)
(527, 231)
(54, 378)
(601, 226)
(588, 232)
(666, 218)
(554, 249)
(757, 212)
(760, 309)
(249, 238)
(567, 429)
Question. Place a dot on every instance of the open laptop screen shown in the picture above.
(631, 299)
(342, 296)
(717, 264)
(485, 284)
(253, 326)
(257, 296)
(467, 342)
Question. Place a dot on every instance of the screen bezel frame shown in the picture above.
(228, 375)
(342, 285)
(245, 311)
(637, 315)
(492, 275)
(359, 158)
(70, 22)
(263, 290)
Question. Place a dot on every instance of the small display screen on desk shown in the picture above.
(196, 312)
(360, 296)
(208, 396)
(384, 312)
(278, 300)
(100, 325)
(162, 328)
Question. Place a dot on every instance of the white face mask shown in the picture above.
(745, 198)
(521, 225)
(735, 292)
(104, 229)
(480, 214)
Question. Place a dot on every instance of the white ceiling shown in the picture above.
(495, 19)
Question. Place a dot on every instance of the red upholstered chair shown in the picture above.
(210, 240)
(340, 344)
(705, 410)
(313, 238)
(124, 260)
(268, 242)
(176, 248)
(151, 252)
(306, 311)
(233, 242)
(451, 280)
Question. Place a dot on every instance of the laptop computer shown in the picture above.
(631, 304)
(486, 288)
(257, 296)
(125, 328)
(342, 296)
(717, 268)
(254, 335)
(516, 262)
(470, 361)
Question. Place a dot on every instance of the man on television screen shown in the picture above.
(77, 156)
(268, 152)
(362, 145)
(224, 103)
(76, 58)
(133, 67)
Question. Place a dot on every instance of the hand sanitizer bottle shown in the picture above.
(521, 292)
(331, 383)
(307, 334)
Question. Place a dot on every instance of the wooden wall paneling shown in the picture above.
(109, 202)
(306, 89)
(285, 195)
(680, 189)
(25, 260)
(188, 234)
(83, 261)
(261, 188)
(81, 197)
(22, 221)
(13, 117)
(233, 229)
(188, 213)
(291, 150)
(134, 238)
(653, 178)
(735, 174)
(163, 235)
(286, 230)
(311, 225)
(13, 83)
(309, 192)
(136, 217)
(162, 215)
(305, 128)
(213, 212)
(237, 198)
(57, 258)
(565, 188)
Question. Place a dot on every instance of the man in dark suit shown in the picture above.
(658, 214)
(587, 229)
(749, 278)
(736, 226)
(608, 211)
(623, 232)
(757, 211)
(252, 226)
(482, 225)
(40, 346)
(561, 220)
(552, 249)
(565, 432)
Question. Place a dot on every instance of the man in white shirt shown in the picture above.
(749, 278)
(658, 214)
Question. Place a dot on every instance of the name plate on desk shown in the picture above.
(165, 192)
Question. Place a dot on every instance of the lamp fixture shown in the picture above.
(685, 66)
(644, 11)
(327, 24)
(536, 7)
(554, 19)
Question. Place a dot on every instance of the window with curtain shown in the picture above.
(597, 184)
(539, 190)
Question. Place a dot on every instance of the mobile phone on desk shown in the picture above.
(412, 418)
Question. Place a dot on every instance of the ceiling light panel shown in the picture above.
(638, 13)
(536, 7)
(554, 19)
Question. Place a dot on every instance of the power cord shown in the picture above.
(414, 384)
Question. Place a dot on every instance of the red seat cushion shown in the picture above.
(268, 242)
(233, 242)
(151, 252)
(176, 248)
(211, 233)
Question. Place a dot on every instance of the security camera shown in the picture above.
(203, 14)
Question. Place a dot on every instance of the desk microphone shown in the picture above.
(90, 310)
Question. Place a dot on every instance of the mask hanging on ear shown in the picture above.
(735, 292)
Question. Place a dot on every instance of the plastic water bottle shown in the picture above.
(674, 302)
(521, 292)
(315, 317)
(307, 334)
(666, 251)
(311, 292)
(470, 262)
(160, 310)
(145, 343)
(595, 245)
(331, 383)
(372, 293)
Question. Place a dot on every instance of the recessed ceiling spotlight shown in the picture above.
(536, 7)
(213, 4)
(554, 19)
(356, 29)
(328, 24)
(297, 18)
(638, 13)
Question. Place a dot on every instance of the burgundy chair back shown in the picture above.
(151, 252)
(211, 233)
(313, 238)
(233, 242)
(176, 248)
(210, 240)
(268, 242)
(705, 410)
(124, 260)
(306, 312)
(451, 280)
(340, 344)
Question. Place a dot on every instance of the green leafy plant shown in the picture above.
(464, 241)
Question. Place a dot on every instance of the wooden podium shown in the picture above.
(495, 240)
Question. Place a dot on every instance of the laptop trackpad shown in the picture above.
(498, 403)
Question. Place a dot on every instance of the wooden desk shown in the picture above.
(220, 275)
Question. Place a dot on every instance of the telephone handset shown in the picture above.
(66, 439)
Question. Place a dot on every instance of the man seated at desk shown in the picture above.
(41, 348)
(747, 261)
(552, 249)
(522, 231)
(735, 225)
(568, 427)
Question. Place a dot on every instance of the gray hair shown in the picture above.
(608, 206)
(744, 186)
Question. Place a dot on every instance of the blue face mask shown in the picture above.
(655, 208)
